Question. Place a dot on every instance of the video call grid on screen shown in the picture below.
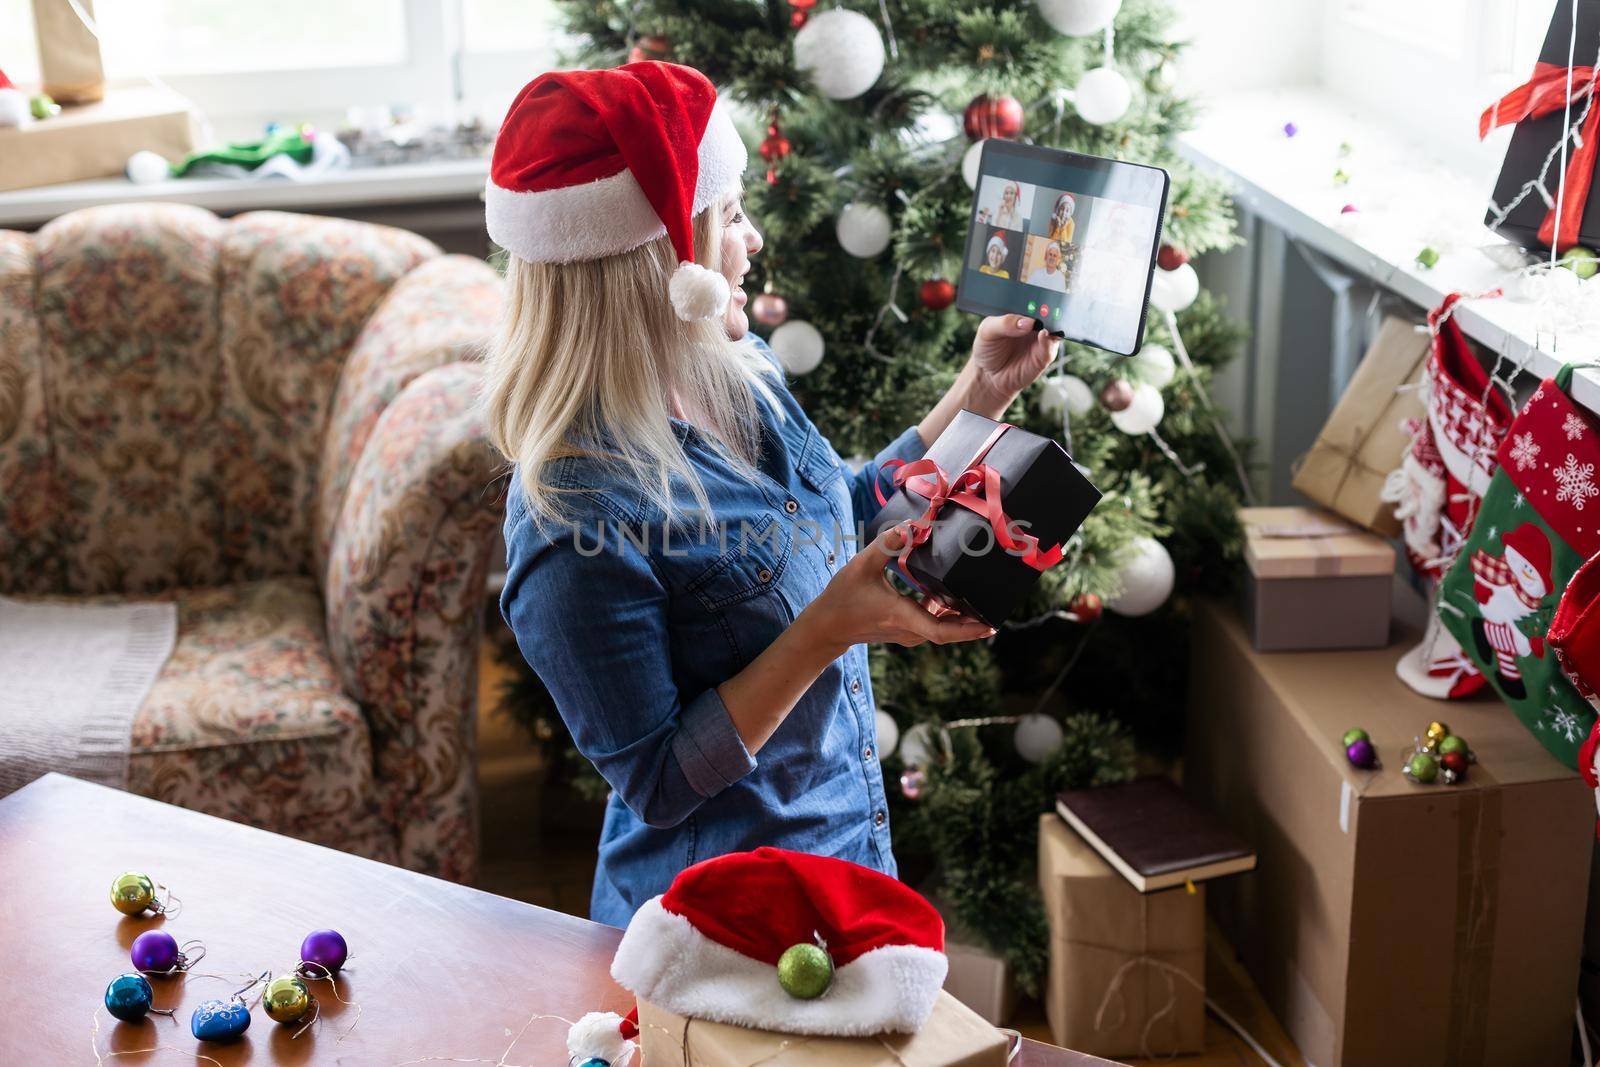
(1067, 239)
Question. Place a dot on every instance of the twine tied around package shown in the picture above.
(1169, 972)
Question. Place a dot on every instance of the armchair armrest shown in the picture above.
(404, 585)
(440, 312)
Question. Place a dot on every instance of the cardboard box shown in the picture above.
(1303, 556)
(952, 1037)
(980, 979)
(69, 51)
(1365, 436)
(95, 140)
(1112, 989)
(1389, 922)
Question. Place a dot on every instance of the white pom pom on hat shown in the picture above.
(595, 163)
(600, 1035)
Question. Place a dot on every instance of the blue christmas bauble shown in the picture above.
(219, 1020)
(594, 1061)
(129, 997)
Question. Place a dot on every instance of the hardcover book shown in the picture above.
(1153, 834)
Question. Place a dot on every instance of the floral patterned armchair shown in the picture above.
(269, 420)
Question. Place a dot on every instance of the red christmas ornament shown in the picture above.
(1117, 395)
(1454, 761)
(769, 309)
(774, 148)
(1085, 607)
(655, 46)
(801, 12)
(937, 294)
(1171, 257)
(992, 116)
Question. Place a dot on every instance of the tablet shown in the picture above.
(1066, 239)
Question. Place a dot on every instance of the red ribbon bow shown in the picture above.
(1540, 95)
(977, 488)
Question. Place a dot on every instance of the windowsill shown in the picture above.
(401, 183)
(1405, 201)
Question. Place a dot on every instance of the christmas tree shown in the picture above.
(864, 116)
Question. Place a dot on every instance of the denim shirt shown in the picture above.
(633, 639)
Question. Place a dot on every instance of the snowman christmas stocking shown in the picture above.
(1539, 521)
(1437, 490)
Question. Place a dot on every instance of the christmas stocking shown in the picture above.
(1437, 489)
(1538, 522)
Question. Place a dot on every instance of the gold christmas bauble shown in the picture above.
(132, 892)
(1437, 731)
(286, 1000)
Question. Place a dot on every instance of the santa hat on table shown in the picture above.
(595, 163)
(708, 948)
(13, 104)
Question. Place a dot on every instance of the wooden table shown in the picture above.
(439, 973)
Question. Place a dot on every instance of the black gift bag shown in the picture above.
(988, 509)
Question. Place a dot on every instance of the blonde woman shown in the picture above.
(1009, 214)
(994, 262)
(681, 562)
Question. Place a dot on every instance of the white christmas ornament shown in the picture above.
(1146, 579)
(798, 346)
(1155, 365)
(146, 168)
(1079, 18)
(1065, 393)
(888, 732)
(1174, 290)
(14, 109)
(1103, 96)
(969, 163)
(918, 746)
(1037, 736)
(864, 230)
(1144, 413)
(841, 51)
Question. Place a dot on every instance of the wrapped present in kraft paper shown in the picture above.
(1387, 921)
(69, 52)
(1127, 969)
(95, 140)
(952, 1037)
(1300, 556)
(1366, 435)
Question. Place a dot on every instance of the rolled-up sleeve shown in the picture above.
(594, 627)
(906, 448)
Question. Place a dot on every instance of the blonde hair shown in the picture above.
(587, 359)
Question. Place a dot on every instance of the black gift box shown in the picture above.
(1533, 139)
(961, 563)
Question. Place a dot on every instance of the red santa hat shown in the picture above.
(709, 947)
(595, 163)
(1529, 542)
(13, 104)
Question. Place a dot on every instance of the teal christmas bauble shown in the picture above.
(129, 997)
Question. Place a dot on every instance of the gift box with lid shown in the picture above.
(1300, 557)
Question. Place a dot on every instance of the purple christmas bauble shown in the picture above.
(326, 949)
(1361, 754)
(155, 950)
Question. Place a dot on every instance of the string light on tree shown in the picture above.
(864, 229)
(992, 116)
(1079, 18)
(936, 294)
(1103, 96)
(798, 346)
(1146, 578)
(841, 51)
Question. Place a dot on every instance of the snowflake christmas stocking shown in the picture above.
(1443, 475)
(1538, 522)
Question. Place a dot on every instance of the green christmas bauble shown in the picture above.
(805, 971)
(1580, 261)
(1452, 743)
(1423, 767)
(287, 999)
(1351, 736)
(132, 892)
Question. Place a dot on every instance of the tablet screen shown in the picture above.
(1067, 239)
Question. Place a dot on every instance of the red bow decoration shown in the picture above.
(1540, 95)
(977, 488)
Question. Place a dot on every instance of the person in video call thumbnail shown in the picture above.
(995, 257)
(1061, 224)
(1009, 214)
(1050, 275)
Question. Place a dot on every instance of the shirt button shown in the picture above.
(791, 506)
(879, 818)
(855, 685)
(763, 576)
(866, 753)
(831, 557)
